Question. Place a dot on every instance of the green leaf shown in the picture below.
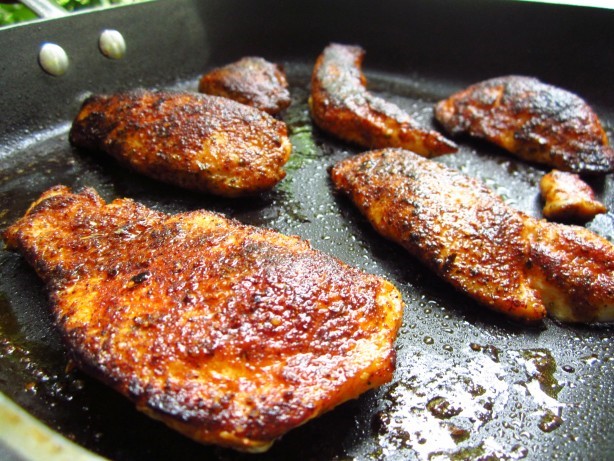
(11, 14)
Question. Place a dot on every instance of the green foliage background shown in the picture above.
(13, 13)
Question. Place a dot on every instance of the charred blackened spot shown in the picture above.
(139, 278)
(449, 262)
(190, 298)
(415, 237)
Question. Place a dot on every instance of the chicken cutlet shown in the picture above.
(503, 258)
(568, 198)
(200, 142)
(532, 120)
(341, 105)
(229, 334)
(251, 80)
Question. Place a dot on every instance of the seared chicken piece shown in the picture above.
(503, 258)
(341, 105)
(532, 120)
(572, 269)
(196, 141)
(568, 198)
(252, 81)
(230, 334)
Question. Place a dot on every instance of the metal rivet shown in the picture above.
(53, 59)
(112, 44)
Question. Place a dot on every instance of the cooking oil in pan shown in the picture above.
(450, 409)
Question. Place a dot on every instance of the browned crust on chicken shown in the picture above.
(251, 80)
(568, 198)
(200, 142)
(341, 105)
(573, 270)
(533, 120)
(230, 334)
(468, 236)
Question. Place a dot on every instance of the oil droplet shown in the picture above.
(492, 352)
(442, 408)
(540, 364)
(591, 359)
(447, 348)
(568, 368)
(31, 388)
(458, 434)
(428, 340)
(489, 351)
(77, 385)
(549, 422)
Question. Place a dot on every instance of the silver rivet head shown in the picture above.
(112, 44)
(53, 59)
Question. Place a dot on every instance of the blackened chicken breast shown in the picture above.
(506, 260)
(533, 120)
(200, 142)
(251, 80)
(230, 334)
(341, 105)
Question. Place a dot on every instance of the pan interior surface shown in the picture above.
(469, 384)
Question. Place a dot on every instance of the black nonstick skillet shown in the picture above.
(469, 384)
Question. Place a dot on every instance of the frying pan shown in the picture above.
(469, 384)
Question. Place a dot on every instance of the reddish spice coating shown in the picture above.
(533, 120)
(510, 262)
(252, 81)
(573, 270)
(341, 105)
(568, 198)
(196, 141)
(230, 334)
